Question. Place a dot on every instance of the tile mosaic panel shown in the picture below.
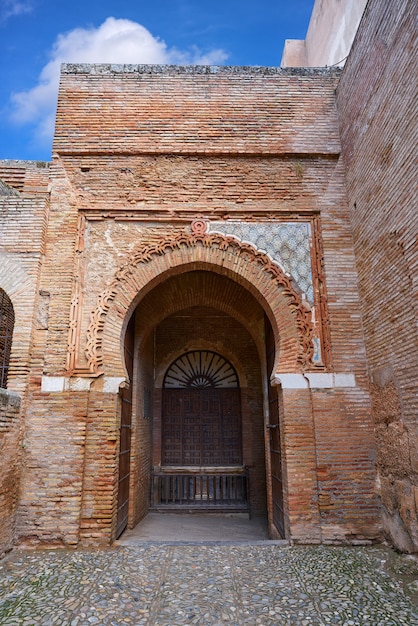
(287, 243)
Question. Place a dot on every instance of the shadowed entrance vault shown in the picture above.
(202, 445)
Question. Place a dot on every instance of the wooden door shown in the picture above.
(201, 427)
(125, 434)
(124, 461)
(274, 436)
(276, 462)
(201, 420)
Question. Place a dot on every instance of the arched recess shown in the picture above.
(215, 255)
(193, 288)
(183, 252)
(198, 310)
(207, 328)
(7, 321)
(21, 289)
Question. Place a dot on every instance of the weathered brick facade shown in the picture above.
(11, 459)
(204, 201)
(24, 209)
(377, 102)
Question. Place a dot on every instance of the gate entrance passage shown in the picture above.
(199, 441)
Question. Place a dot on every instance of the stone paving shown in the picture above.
(162, 584)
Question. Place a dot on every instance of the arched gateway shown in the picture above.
(200, 305)
(208, 222)
(223, 254)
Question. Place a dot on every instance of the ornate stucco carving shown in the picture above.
(199, 237)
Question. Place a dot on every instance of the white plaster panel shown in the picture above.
(290, 381)
(80, 384)
(111, 384)
(51, 384)
(345, 380)
(314, 380)
(320, 381)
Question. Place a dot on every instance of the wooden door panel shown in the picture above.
(173, 432)
(274, 433)
(125, 434)
(208, 422)
(124, 461)
(232, 427)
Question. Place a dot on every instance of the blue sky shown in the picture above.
(37, 35)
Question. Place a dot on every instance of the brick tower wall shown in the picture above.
(24, 208)
(139, 153)
(11, 439)
(377, 103)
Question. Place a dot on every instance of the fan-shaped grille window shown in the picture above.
(200, 369)
(7, 321)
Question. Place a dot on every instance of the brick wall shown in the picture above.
(100, 470)
(24, 209)
(11, 439)
(163, 110)
(376, 99)
(139, 153)
(142, 423)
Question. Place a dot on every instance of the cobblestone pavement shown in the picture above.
(210, 584)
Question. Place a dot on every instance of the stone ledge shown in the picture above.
(314, 380)
(59, 384)
(10, 398)
(9, 409)
(113, 68)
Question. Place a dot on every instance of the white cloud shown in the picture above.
(11, 8)
(115, 41)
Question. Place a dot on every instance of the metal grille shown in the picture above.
(7, 321)
(200, 369)
(221, 489)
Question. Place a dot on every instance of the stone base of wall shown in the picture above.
(397, 466)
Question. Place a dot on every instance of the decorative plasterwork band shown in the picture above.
(199, 238)
(296, 247)
(73, 366)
